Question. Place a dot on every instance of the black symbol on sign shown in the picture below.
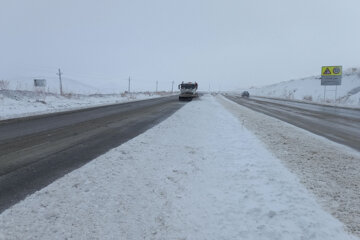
(327, 71)
(336, 70)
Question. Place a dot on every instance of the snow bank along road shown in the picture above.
(328, 169)
(197, 175)
(338, 124)
(37, 150)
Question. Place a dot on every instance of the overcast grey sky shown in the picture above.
(229, 44)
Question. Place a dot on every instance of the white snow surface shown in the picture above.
(15, 103)
(310, 89)
(197, 175)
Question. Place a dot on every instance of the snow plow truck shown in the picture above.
(188, 91)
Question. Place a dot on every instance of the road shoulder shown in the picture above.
(329, 170)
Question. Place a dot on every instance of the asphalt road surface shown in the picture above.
(35, 151)
(338, 124)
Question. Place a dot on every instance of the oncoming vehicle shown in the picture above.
(245, 94)
(188, 91)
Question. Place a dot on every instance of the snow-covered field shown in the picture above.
(309, 89)
(200, 174)
(15, 103)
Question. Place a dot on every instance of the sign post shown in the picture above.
(331, 76)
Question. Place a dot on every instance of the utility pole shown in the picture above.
(172, 86)
(59, 74)
(129, 85)
(156, 86)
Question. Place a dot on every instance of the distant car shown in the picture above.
(245, 94)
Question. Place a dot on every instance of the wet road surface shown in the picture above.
(36, 151)
(338, 124)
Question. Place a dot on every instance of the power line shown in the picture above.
(79, 82)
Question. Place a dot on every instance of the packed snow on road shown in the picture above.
(200, 174)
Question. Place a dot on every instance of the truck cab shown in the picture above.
(188, 91)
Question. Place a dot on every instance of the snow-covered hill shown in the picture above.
(309, 89)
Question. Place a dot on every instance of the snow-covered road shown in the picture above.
(338, 124)
(198, 175)
(16, 104)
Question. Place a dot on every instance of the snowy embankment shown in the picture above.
(310, 89)
(197, 175)
(14, 103)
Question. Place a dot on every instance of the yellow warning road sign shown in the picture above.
(331, 75)
(331, 71)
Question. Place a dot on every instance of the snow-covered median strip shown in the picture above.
(197, 175)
